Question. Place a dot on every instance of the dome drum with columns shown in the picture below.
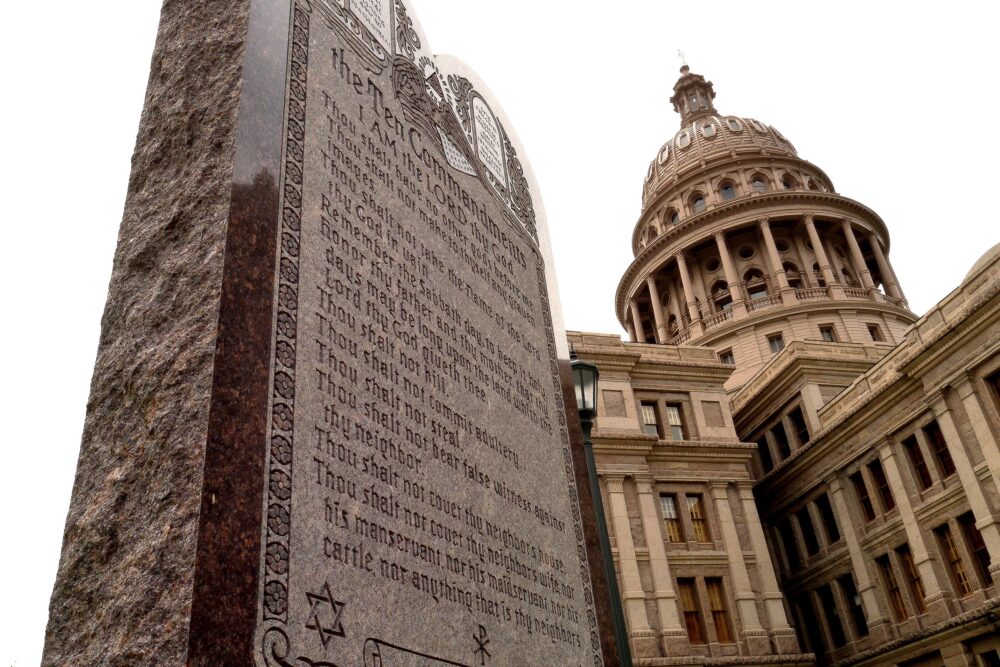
(743, 246)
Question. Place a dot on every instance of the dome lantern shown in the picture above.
(692, 97)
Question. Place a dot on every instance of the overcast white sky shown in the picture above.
(897, 102)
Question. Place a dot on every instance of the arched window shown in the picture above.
(756, 284)
(708, 130)
(759, 184)
(789, 182)
(683, 139)
(673, 216)
(812, 185)
(720, 295)
(849, 278)
(650, 234)
(792, 274)
(664, 153)
(818, 275)
(697, 202)
(727, 191)
(734, 125)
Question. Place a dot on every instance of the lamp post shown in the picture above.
(585, 381)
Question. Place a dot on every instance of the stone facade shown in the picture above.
(795, 467)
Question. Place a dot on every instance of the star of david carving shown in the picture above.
(324, 607)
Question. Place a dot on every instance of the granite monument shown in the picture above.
(327, 423)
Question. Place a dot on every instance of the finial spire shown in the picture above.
(684, 62)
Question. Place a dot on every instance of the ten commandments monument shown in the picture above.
(327, 421)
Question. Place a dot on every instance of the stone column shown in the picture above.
(785, 641)
(777, 270)
(662, 335)
(833, 287)
(878, 620)
(675, 306)
(746, 602)
(937, 599)
(640, 333)
(888, 275)
(633, 598)
(860, 268)
(630, 328)
(696, 327)
(735, 291)
(988, 444)
(673, 636)
(986, 522)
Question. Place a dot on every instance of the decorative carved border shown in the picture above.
(279, 475)
(574, 500)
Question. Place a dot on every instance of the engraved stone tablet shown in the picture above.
(420, 506)
(327, 426)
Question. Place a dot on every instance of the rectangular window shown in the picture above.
(650, 422)
(775, 343)
(791, 546)
(829, 520)
(854, 607)
(912, 576)
(808, 532)
(809, 622)
(699, 520)
(875, 331)
(865, 500)
(892, 588)
(720, 614)
(674, 421)
(692, 612)
(726, 357)
(781, 439)
(765, 455)
(668, 504)
(956, 567)
(829, 606)
(828, 333)
(920, 470)
(799, 422)
(882, 485)
(940, 448)
(977, 547)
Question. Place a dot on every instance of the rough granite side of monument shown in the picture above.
(124, 585)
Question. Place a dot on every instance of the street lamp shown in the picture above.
(585, 381)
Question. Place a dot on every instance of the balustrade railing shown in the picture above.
(857, 293)
(718, 318)
(680, 338)
(810, 293)
(763, 302)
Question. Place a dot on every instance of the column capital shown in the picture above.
(721, 234)
(615, 483)
(935, 400)
(964, 384)
(808, 218)
(833, 483)
(764, 222)
(719, 489)
(644, 483)
(745, 491)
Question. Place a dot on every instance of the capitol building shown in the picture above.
(796, 468)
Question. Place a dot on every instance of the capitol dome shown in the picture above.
(706, 136)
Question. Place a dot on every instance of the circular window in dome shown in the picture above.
(745, 252)
(683, 139)
(734, 125)
(781, 245)
(757, 125)
(708, 130)
(664, 153)
(713, 265)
